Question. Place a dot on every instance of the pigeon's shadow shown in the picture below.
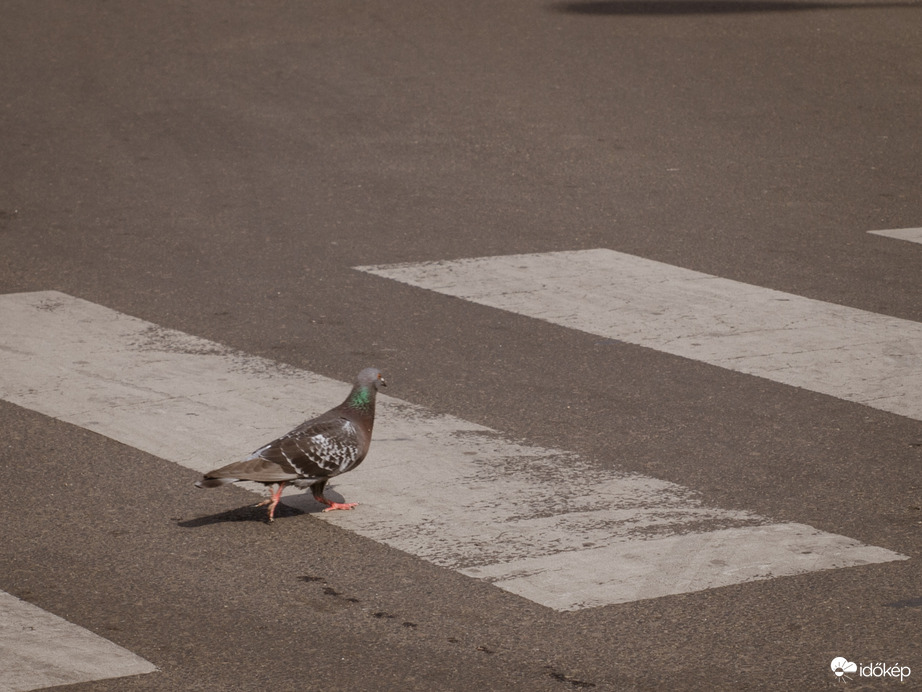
(689, 7)
(290, 506)
(907, 603)
(245, 513)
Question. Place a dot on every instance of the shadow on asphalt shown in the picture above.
(245, 513)
(681, 7)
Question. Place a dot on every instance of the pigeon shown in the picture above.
(310, 455)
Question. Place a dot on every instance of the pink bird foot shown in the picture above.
(272, 502)
(339, 505)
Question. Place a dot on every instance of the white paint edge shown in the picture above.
(850, 354)
(913, 235)
(629, 571)
(39, 649)
(452, 492)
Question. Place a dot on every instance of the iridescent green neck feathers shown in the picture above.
(361, 398)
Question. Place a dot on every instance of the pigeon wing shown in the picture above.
(316, 449)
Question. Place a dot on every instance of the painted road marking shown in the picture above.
(913, 235)
(634, 570)
(851, 354)
(455, 493)
(38, 649)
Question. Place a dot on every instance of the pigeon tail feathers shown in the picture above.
(214, 482)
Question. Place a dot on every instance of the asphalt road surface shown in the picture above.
(285, 188)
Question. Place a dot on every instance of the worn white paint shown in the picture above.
(38, 649)
(913, 235)
(632, 570)
(847, 353)
(455, 493)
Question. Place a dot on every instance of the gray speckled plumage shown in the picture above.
(319, 449)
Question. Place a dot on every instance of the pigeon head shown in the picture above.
(370, 377)
(362, 396)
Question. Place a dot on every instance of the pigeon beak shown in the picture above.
(381, 381)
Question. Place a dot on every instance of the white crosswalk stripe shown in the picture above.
(847, 353)
(452, 492)
(38, 649)
(913, 235)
